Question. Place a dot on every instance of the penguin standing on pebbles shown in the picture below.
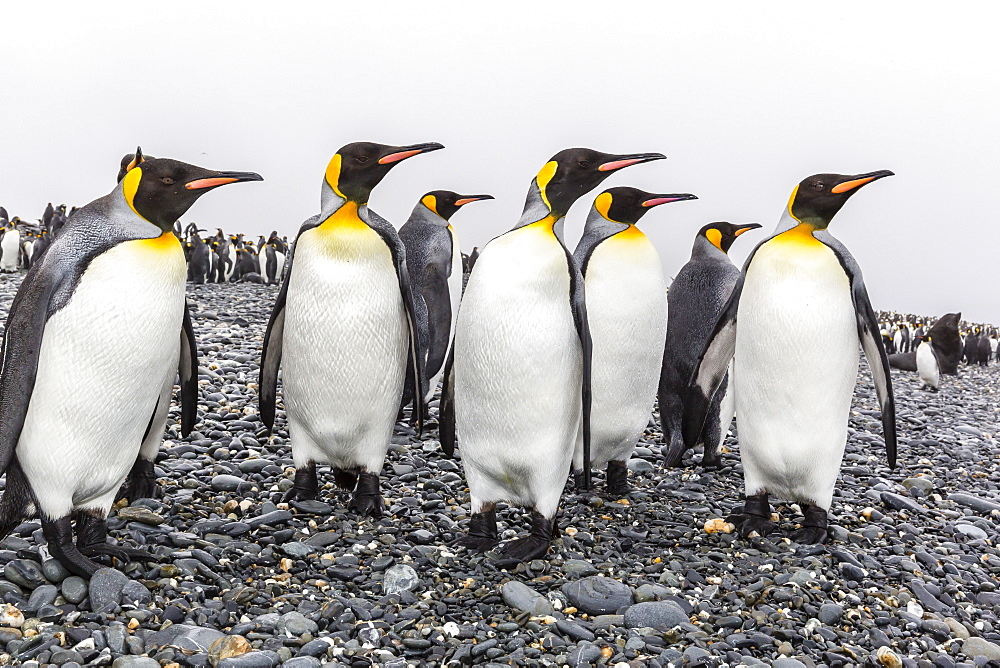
(521, 390)
(794, 323)
(434, 261)
(343, 330)
(927, 365)
(92, 336)
(696, 299)
(627, 313)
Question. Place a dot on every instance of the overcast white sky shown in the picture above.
(745, 99)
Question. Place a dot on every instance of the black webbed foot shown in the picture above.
(617, 479)
(306, 487)
(755, 516)
(59, 536)
(814, 527)
(367, 499)
(533, 546)
(141, 482)
(482, 536)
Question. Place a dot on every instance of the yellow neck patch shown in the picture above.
(603, 205)
(543, 178)
(801, 234)
(545, 223)
(130, 185)
(344, 218)
(164, 243)
(715, 238)
(333, 174)
(630, 233)
(430, 201)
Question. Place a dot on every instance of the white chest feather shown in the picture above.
(797, 353)
(345, 345)
(104, 358)
(627, 311)
(927, 366)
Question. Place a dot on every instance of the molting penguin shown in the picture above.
(343, 328)
(794, 322)
(522, 360)
(927, 365)
(627, 314)
(95, 330)
(694, 303)
(434, 261)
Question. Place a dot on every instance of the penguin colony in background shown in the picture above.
(550, 363)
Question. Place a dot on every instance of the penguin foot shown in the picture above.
(482, 536)
(617, 479)
(578, 482)
(59, 536)
(306, 487)
(126, 554)
(674, 456)
(532, 546)
(367, 499)
(814, 527)
(140, 483)
(755, 516)
(711, 460)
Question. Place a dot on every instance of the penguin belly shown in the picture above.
(927, 366)
(345, 347)
(797, 354)
(455, 296)
(105, 356)
(627, 311)
(518, 373)
(9, 251)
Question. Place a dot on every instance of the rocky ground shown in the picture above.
(910, 577)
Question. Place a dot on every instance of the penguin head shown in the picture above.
(445, 202)
(722, 234)
(357, 168)
(161, 190)
(817, 199)
(627, 205)
(572, 172)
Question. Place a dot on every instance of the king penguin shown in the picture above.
(927, 364)
(343, 329)
(696, 299)
(627, 313)
(794, 321)
(434, 262)
(521, 360)
(93, 333)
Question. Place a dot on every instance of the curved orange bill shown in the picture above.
(860, 180)
(221, 179)
(745, 228)
(472, 198)
(667, 199)
(629, 160)
(405, 152)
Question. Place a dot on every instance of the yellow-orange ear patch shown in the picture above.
(544, 176)
(333, 174)
(430, 201)
(603, 204)
(714, 236)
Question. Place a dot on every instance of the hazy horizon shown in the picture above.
(745, 101)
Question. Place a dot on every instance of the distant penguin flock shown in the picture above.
(551, 361)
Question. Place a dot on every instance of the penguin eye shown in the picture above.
(362, 159)
(584, 163)
(167, 180)
(819, 185)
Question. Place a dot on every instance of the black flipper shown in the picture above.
(711, 369)
(438, 318)
(188, 372)
(871, 341)
(22, 344)
(270, 356)
(446, 408)
(392, 240)
(578, 303)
